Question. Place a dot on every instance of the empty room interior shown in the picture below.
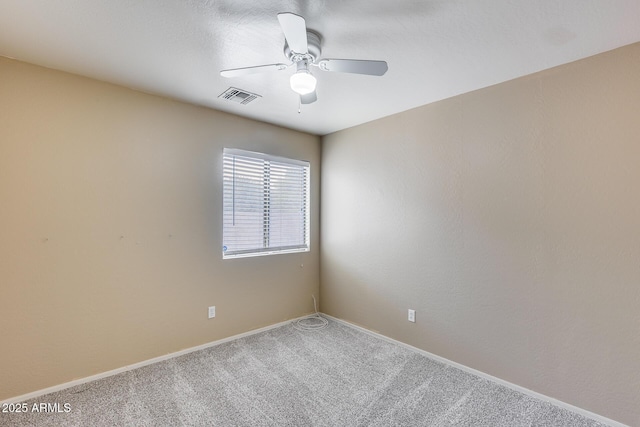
(320, 213)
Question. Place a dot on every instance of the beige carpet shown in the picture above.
(337, 376)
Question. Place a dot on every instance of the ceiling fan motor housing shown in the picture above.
(313, 49)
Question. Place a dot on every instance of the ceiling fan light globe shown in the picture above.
(303, 82)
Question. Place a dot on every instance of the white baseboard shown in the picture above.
(126, 368)
(507, 384)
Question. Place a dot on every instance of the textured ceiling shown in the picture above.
(435, 49)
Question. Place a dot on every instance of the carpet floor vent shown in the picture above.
(238, 95)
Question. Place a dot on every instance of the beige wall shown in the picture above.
(509, 218)
(110, 229)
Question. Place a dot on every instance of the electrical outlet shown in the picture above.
(212, 311)
(412, 316)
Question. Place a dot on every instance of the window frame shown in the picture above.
(265, 250)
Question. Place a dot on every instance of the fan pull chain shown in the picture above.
(299, 105)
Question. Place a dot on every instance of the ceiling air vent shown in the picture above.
(238, 95)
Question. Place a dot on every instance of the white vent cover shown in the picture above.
(238, 95)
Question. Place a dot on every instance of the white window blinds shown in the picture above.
(266, 204)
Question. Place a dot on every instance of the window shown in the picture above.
(265, 206)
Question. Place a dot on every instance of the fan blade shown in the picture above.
(309, 98)
(295, 31)
(372, 68)
(235, 72)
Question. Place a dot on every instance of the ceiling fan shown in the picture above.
(302, 48)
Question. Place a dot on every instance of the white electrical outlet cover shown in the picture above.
(212, 311)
